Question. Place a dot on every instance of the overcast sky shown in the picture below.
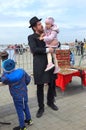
(70, 16)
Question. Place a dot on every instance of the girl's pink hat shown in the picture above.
(50, 20)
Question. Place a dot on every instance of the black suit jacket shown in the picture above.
(38, 50)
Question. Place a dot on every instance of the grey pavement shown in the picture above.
(70, 116)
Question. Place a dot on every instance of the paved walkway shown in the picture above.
(70, 116)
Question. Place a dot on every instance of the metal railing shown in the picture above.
(82, 61)
(23, 59)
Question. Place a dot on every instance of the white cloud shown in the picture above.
(64, 3)
(16, 4)
(68, 15)
(20, 13)
(17, 24)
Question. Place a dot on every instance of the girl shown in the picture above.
(50, 38)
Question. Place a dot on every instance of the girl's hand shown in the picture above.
(41, 38)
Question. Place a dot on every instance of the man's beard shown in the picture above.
(40, 32)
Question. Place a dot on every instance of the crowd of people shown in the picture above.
(19, 49)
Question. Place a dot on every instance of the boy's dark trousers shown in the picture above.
(50, 94)
(21, 108)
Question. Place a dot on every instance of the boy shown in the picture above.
(17, 79)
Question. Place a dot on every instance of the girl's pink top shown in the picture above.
(51, 35)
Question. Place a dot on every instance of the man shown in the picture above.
(39, 52)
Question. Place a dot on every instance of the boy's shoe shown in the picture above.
(24, 128)
(18, 128)
(29, 122)
(57, 69)
(49, 66)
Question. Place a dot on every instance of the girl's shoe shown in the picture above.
(49, 66)
(57, 69)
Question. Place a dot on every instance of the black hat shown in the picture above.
(33, 21)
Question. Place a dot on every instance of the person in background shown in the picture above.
(4, 55)
(11, 51)
(72, 59)
(79, 48)
(77, 44)
(21, 49)
(17, 79)
(82, 47)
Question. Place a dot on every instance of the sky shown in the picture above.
(69, 15)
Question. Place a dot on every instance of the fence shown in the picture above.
(23, 59)
(82, 61)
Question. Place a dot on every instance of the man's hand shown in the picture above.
(42, 35)
(41, 38)
(51, 50)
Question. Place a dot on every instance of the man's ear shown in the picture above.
(34, 28)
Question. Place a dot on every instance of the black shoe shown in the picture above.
(40, 112)
(53, 106)
(16, 128)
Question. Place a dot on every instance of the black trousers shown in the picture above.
(50, 94)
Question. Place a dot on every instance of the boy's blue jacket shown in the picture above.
(17, 81)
